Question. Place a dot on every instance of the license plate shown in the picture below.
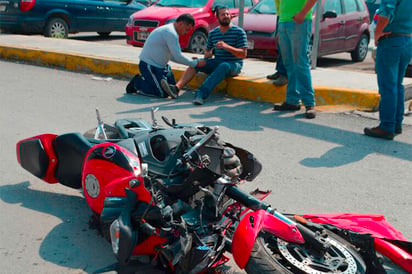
(250, 44)
(2, 8)
(141, 35)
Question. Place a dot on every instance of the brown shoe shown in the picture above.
(377, 132)
(170, 90)
(285, 107)
(281, 80)
(273, 76)
(310, 113)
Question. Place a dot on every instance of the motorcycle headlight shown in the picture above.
(115, 236)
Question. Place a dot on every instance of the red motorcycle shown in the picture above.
(169, 199)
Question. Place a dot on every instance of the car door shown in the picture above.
(90, 14)
(353, 16)
(118, 12)
(332, 30)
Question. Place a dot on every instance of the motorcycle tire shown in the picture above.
(273, 255)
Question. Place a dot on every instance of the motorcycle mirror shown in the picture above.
(100, 126)
(154, 121)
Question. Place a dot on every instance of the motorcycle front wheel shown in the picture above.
(274, 255)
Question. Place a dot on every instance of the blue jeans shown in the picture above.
(293, 44)
(218, 70)
(149, 80)
(280, 67)
(392, 58)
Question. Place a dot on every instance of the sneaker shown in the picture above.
(198, 100)
(130, 89)
(171, 90)
(273, 76)
(281, 80)
(310, 113)
(285, 106)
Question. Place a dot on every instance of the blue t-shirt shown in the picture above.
(234, 36)
(399, 13)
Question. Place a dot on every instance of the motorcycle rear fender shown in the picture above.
(36, 155)
(249, 227)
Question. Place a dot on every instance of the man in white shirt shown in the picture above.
(162, 45)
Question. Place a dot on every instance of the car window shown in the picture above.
(332, 5)
(350, 6)
(182, 3)
(248, 3)
(361, 7)
(264, 7)
(226, 3)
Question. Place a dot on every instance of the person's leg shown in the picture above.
(168, 74)
(404, 61)
(187, 76)
(222, 70)
(149, 83)
(387, 68)
(285, 44)
(280, 67)
(300, 40)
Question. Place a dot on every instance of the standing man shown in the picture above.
(161, 46)
(295, 24)
(393, 38)
(228, 44)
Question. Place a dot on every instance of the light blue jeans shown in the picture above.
(392, 58)
(293, 43)
(218, 70)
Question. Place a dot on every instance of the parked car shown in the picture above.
(60, 17)
(143, 22)
(372, 5)
(344, 27)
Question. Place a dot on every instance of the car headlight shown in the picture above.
(170, 21)
(130, 21)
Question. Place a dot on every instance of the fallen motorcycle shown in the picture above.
(169, 198)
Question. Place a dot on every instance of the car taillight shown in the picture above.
(26, 5)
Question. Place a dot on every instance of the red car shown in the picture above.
(140, 24)
(344, 27)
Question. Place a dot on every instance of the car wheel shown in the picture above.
(198, 42)
(361, 50)
(56, 28)
(104, 34)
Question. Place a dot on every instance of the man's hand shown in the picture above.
(201, 63)
(221, 45)
(379, 34)
(299, 17)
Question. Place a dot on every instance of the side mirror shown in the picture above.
(330, 14)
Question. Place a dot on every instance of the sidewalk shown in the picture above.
(332, 87)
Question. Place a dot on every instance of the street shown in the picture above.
(311, 166)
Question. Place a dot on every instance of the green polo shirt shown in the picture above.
(288, 8)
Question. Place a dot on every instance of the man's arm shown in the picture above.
(176, 53)
(300, 16)
(238, 52)
(380, 26)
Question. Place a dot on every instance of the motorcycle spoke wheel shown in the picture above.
(274, 255)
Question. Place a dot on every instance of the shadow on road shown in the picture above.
(351, 146)
(70, 244)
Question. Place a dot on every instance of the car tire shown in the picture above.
(361, 50)
(104, 34)
(56, 28)
(197, 43)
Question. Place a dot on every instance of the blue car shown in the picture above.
(58, 18)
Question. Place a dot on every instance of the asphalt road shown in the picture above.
(311, 166)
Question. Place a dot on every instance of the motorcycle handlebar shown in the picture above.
(189, 154)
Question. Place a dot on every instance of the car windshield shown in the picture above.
(264, 7)
(182, 3)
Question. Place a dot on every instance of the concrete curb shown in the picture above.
(250, 88)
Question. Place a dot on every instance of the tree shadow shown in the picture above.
(70, 244)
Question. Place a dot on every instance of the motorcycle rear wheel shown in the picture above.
(273, 255)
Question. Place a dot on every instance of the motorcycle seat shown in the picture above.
(71, 149)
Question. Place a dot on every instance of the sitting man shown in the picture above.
(156, 77)
(228, 44)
